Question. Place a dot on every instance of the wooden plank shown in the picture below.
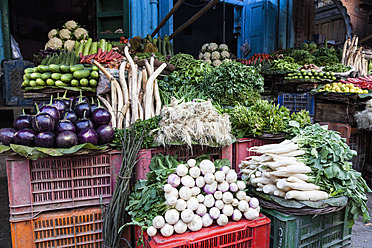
(339, 113)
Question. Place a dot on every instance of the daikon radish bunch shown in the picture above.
(277, 172)
(200, 195)
(135, 96)
(196, 122)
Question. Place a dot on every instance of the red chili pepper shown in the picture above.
(99, 52)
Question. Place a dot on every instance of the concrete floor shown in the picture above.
(361, 236)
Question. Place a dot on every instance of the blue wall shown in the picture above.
(2, 51)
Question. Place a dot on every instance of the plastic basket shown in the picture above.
(296, 102)
(73, 228)
(13, 78)
(183, 153)
(241, 147)
(343, 129)
(241, 234)
(59, 183)
(305, 231)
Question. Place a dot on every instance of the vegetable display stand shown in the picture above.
(244, 233)
(70, 228)
(184, 153)
(327, 230)
(56, 183)
(296, 102)
(241, 146)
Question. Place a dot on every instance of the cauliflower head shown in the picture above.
(225, 54)
(216, 55)
(71, 25)
(207, 55)
(212, 46)
(54, 43)
(65, 34)
(201, 55)
(208, 61)
(217, 63)
(69, 45)
(52, 33)
(81, 33)
(223, 47)
(205, 47)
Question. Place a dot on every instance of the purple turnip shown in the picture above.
(22, 121)
(88, 135)
(24, 137)
(66, 139)
(45, 139)
(105, 134)
(7, 135)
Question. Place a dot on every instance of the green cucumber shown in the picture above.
(94, 48)
(54, 68)
(87, 46)
(76, 45)
(93, 83)
(74, 82)
(94, 75)
(65, 68)
(33, 83)
(40, 82)
(59, 83)
(42, 68)
(29, 70)
(46, 75)
(149, 38)
(81, 74)
(84, 82)
(102, 44)
(66, 78)
(35, 75)
(56, 76)
(164, 48)
(109, 47)
(77, 67)
(95, 68)
(28, 75)
(35, 69)
(25, 83)
(50, 82)
(80, 49)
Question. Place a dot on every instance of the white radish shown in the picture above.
(227, 197)
(251, 214)
(172, 216)
(237, 215)
(234, 187)
(217, 195)
(210, 188)
(243, 206)
(187, 215)
(235, 202)
(269, 189)
(192, 203)
(207, 166)
(172, 200)
(222, 220)
(180, 227)
(241, 185)
(158, 222)
(225, 169)
(279, 193)
(194, 172)
(174, 192)
(297, 186)
(185, 193)
(254, 203)
(188, 181)
(314, 195)
(220, 176)
(241, 195)
(209, 178)
(151, 231)
(223, 187)
(200, 198)
(182, 170)
(167, 230)
(167, 188)
(231, 176)
(208, 201)
(174, 180)
(181, 204)
(201, 210)
(228, 210)
(207, 220)
(219, 204)
(200, 182)
(191, 162)
(214, 213)
(195, 191)
(196, 224)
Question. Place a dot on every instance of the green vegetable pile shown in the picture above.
(263, 117)
(329, 157)
(302, 57)
(232, 82)
(146, 126)
(325, 56)
(181, 60)
(338, 67)
(285, 64)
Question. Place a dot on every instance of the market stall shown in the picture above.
(133, 145)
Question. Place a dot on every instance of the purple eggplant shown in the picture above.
(66, 139)
(93, 106)
(88, 135)
(83, 123)
(60, 105)
(105, 134)
(43, 122)
(80, 99)
(50, 109)
(100, 116)
(7, 135)
(82, 108)
(24, 137)
(45, 139)
(23, 121)
(65, 125)
(65, 99)
(70, 115)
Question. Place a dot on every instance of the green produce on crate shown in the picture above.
(66, 78)
(50, 82)
(93, 83)
(42, 68)
(77, 67)
(314, 75)
(40, 82)
(29, 70)
(74, 82)
(81, 74)
(338, 67)
(94, 75)
(84, 82)
(33, 83)
(56, 76)
(59, 83)
(285, 64)
(46, 75)
(65, 68)
(35, 75)
(54, 68)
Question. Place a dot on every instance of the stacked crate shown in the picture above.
(56, 201)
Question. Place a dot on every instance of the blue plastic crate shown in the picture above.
(13, 78)
(296, 102)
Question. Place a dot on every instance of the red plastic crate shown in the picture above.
(241, 147)
(69, 228)
(184, 153)
(55, 183)
(343, 129)
(241, 234)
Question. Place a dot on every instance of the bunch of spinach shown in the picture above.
(232, 82)
(325, 56)
(302, 57)
(329, 157)
(147, 126)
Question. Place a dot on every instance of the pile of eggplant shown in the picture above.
(61, 123)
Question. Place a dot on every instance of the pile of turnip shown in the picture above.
(277, 172)
(199, 196)
(193, 123)
(136, 97)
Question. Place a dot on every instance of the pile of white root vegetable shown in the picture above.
(277, 172)
(354, 56)
(137, 97)
(200, 195)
